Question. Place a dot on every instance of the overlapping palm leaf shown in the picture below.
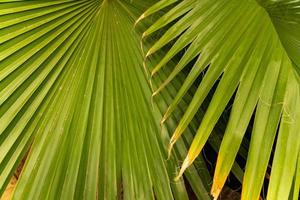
(250, 50)
(74, 98)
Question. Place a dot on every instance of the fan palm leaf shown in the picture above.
(250, 50)
(75, 99)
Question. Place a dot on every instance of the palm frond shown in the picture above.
(74, 96)
(250, 49)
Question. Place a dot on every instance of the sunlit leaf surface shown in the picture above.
(75, 97)
(249, 50)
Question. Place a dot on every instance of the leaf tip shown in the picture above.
(139, 19)
(215, 191)
(148, 53)
(155, 93)
(184, 166)
(162, 121)
(171, 144)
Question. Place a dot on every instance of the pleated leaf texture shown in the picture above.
(76, 102)
(249, 51)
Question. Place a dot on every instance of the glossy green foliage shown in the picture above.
(250, 50)
(75, 97)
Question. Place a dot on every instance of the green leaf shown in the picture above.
(74, 94)
(248, 48)
(288, 146)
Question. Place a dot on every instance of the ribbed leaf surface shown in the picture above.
(249, 49)
(74, 96)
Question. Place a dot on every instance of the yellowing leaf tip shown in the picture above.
(215, 191)
(155, 93)
(186, 163)
(171, 144)
(139, 19)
